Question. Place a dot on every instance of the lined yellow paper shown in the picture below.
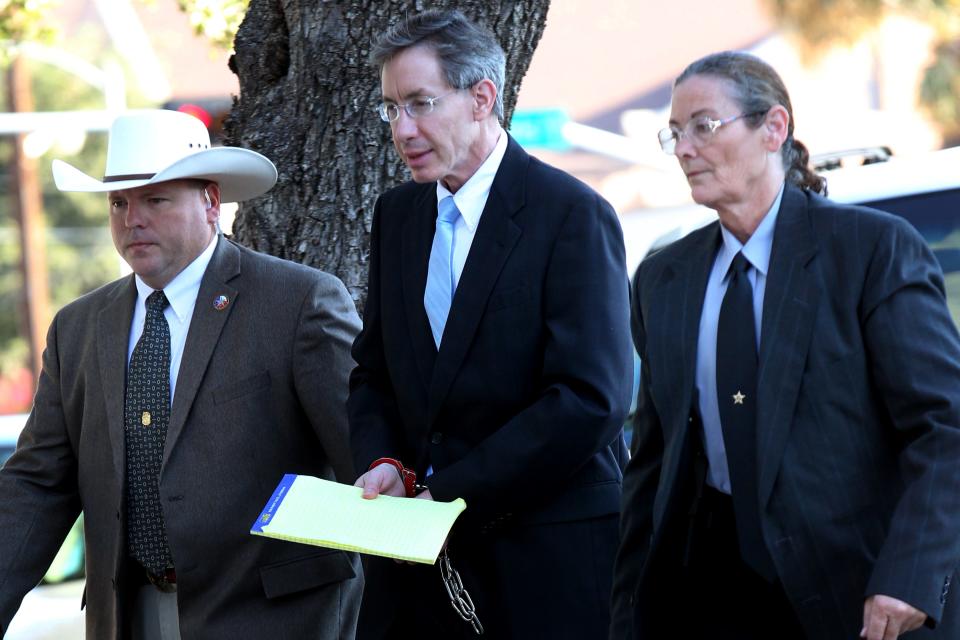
(328, 514)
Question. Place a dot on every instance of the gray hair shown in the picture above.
(467, 52)
(757, 88)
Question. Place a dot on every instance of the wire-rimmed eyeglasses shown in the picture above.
(416, 108)
(700, 131)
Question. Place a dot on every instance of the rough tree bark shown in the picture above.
(307, 101)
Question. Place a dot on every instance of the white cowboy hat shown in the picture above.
(150, 146)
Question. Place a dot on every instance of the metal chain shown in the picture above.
(459, 598)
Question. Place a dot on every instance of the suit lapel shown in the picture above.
(205, 327)
(676, 314)
(682, 307)
(113, 338)
(789, 311)
(416, 242)
(495, 238)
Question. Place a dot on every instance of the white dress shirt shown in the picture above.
(181, 293)
(470, 199)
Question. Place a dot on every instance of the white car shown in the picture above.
(52, 610)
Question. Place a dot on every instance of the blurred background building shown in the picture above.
(612, 71)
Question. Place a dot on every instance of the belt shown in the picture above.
(165, 582)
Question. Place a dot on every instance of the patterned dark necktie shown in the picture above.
(146, 416)
(737, 399)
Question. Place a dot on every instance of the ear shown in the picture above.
(484, 95)
(212, 202)
(775, 127)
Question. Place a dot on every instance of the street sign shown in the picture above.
(540, 128)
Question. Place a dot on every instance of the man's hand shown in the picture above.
(886, 618)
(383, 478)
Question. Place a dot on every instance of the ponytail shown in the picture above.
(796, 159)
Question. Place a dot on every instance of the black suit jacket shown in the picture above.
(858, 419)
(520, 411)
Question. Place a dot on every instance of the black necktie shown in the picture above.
(737, 399)
(146, 416)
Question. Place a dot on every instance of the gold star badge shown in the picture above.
(145, 419)
(738, 398)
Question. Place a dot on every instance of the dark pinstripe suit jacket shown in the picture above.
(858, 420)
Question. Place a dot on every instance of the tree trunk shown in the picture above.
(307, 102)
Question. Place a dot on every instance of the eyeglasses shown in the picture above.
(700, 131)
(416, 108)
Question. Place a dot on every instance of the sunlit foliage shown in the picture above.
(819, 23)
(218, 20)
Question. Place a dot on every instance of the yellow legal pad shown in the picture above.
(328, 514)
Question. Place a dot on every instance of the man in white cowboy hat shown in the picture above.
(172, 401)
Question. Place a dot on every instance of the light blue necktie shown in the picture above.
(439, 292)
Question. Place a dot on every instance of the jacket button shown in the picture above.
(436, 437)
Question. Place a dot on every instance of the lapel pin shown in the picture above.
(220, 303)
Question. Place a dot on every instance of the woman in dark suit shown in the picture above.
(796, 452)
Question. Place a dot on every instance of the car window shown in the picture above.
(936, 215)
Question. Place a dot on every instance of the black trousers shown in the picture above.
(725, 598)
(527, 582)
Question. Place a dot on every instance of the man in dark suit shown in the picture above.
(513, 395)
(796, 472)
(173, 400)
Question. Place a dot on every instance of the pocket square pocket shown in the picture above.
(233, 390)
(300, 574)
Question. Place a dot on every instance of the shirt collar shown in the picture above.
(759, 245)
(472, 196)
(182, 291)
